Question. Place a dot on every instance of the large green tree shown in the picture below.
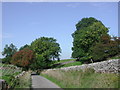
(46, 50)
(88, 33)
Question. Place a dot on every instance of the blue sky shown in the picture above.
(23, 22)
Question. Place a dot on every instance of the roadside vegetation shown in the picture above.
(24, 81)
(9, 73)
(82, 79)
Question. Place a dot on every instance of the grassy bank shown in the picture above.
(24, 81)
(9, 72)
(80, 79)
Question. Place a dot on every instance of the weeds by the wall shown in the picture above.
(24, 81)
(82, 79)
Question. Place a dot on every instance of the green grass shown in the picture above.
(8, 73)
(80, 79)
(64, 60)
(69, 64)
(72, 64)
(9, 70)
(115, 57)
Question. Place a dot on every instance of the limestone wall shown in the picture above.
(109, 66)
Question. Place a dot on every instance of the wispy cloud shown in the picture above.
(103, 6)
(73, 5)
(98, 4)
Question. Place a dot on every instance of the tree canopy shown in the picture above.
(106, 48)
(8, 52)
(25, 46)
(46, 50)
(88, 33)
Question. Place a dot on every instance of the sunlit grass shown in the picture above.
(69, 64)
(64, 60)
(80, 79)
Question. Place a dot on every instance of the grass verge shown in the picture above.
(24, 81)
(80, 79)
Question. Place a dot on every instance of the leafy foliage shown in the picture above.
(45, 49)
(88, 33)
(23, 58)
(106, 48)
(7, 60)
(8, 52)
(85, 22)
(25, 46)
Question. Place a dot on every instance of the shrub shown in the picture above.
(23, 58)
(104, 49)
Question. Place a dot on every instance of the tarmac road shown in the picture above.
(41, 82)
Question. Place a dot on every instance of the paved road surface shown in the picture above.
(41, 82)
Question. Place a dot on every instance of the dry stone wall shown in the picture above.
(109, 66)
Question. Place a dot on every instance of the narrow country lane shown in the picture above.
(41, 82)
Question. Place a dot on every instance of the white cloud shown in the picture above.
(73, 5)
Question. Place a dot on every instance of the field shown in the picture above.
(80, 79)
